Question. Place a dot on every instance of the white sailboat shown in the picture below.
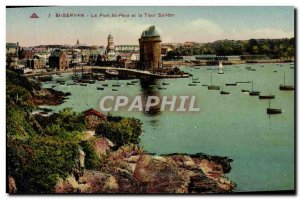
(220, 67)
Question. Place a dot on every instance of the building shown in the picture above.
(12, 54)
(150, 48)
(218, 57)
(59, 60)
(126, 48)
(37, 62)
(93, 118)
(110, 49)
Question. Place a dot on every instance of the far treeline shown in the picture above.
(273, 48)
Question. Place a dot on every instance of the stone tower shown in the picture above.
(110, 49)
(110, 44)
(150, 48)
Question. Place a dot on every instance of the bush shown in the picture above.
(37, 163)
(92, 161)
(126, 131)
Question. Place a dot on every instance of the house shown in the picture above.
(12, 54)
(93, 118)
(36, 62)
(59, 60)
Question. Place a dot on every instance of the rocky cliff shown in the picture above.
(132, 170)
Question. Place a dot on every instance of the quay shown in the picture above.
(100, 69)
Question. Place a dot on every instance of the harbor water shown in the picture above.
(234, 125)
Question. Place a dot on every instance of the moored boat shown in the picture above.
(266, 96)
(230, 84)
(191, 84)
(211, 86)
(222, 92)
(273, 110)
(253, 93)
(220, 67)
(284, 87)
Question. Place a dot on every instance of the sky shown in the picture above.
(197, 24)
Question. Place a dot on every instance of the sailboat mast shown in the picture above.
(252, 86)
(211, 79)
(284, 78)
(269, 103)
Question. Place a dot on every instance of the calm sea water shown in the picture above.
(234, 125)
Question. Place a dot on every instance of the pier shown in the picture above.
(95, 69)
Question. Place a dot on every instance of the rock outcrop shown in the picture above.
(131, 170)
(49, 96)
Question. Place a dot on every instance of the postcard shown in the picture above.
(150, 100)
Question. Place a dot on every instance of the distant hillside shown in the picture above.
(273, 48)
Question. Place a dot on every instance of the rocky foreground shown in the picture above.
(132, 170)
(49, 97)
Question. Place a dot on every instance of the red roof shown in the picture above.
(94, 112)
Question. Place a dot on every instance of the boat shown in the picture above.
(212, 87)
(273, 110)
(114, 89)
(291, 67)
(195, 78)
(245, 91)
(116, 85)
(191, 84)
(134, 81)
(112, 72)
(220, 68)
(253, 69)
(266, 96)
(204, 85)
(106, 85)
(196, 82)
(165, 83)
(100, 88)
(161, 88)
(230, 84)
(83, 84)
(253, 93)
(222, 92)
(243, 82)
(130, 83)
(275, 71)
(284, 87)
(191, 75)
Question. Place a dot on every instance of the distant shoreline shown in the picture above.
(212, 63)
(171, 64)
